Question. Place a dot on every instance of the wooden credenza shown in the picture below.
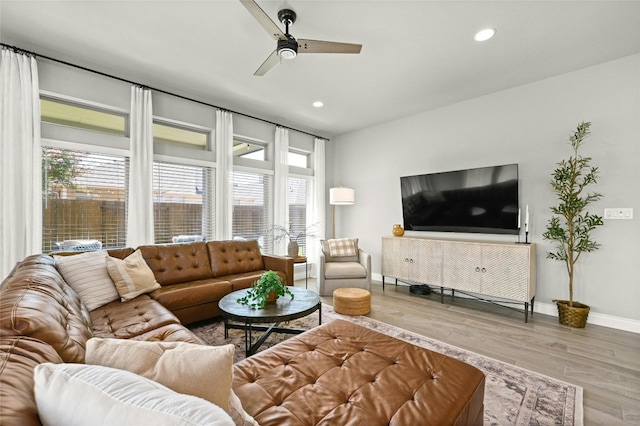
(503, 272)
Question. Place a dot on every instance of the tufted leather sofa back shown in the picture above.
(234, 257)
(36, 302)
(177, 263)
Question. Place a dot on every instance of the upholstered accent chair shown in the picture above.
(343, 264)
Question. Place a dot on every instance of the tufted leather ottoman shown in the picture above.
(351, 301)
(341, 373)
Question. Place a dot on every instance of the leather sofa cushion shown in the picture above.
(338, 270)
(124, 320)
(178, 296)
(246, 279)
(234, 257)
(36, 302)
(341, 371)
(169, 333)
(18, 357)
(177, 263)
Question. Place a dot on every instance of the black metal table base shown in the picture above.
(249, 327)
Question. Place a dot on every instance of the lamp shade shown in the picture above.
(342, 196)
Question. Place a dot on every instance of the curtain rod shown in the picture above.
(69, 64)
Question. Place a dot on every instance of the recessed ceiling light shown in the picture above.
(318, 104)
(484, 35)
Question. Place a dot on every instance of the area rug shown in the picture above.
(513, 395)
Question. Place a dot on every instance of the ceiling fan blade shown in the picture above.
(318, 46)
(274, 31)
(269, 63)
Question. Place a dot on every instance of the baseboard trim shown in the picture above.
(595, 318)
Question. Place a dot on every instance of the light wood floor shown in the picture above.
(605, 362)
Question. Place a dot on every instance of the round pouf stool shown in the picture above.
(351, 301)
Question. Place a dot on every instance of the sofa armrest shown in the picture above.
(280, 263)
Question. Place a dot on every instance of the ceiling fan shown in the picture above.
(288, 47)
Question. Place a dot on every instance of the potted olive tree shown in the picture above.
(265, 289)
(570, 226)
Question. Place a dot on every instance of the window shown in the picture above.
(249, 150)
(82, 116)
(298, 159)
(298, 209)
(252, 211)
(84, 200)
(179, 135)
(178, 202)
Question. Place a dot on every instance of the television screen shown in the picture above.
(483, 200)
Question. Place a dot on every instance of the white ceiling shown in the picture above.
(416, 55)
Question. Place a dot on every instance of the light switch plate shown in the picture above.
(618, 213)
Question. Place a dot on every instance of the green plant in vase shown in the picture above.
(264, 290)
(571, 225)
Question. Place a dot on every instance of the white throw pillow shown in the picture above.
(80, 394)
(87, 274)
(131, 275)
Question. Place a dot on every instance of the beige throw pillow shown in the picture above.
(87, 274)
(131, 275)
(80, 394)
(198, 370)
(342, 247)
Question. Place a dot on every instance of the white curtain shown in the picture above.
(316, 203)
(140, 192)
(281, 185)
(20, 160)
(224, 182)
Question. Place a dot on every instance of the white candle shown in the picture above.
(518, 217)
(526, 219)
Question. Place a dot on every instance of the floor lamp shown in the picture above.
(340, 196)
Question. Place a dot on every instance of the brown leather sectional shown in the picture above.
(42, 319)
(338, 373)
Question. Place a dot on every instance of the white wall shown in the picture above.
(528, 125)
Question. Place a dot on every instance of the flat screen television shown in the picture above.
(481, 200)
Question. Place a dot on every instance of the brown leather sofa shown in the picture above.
(195, 276)
(42, 319)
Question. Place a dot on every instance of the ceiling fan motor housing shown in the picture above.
(288, 49)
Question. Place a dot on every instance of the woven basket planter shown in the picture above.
(574, 316)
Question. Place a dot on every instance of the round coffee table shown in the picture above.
(284, 309)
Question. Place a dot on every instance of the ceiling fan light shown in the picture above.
(287, 49)
(287, 53)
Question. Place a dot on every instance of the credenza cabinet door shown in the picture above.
(507, 272)
(426, 267)
(412, 260)
(462, 266)
(395, 257)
